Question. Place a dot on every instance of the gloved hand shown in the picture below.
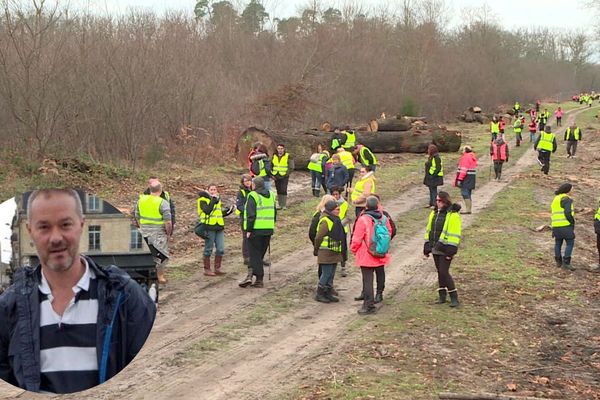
(427, 249)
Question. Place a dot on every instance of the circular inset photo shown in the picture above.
(78, 287)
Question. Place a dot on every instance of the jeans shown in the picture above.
(571, 147)
(466, 193)
(373, 167)
(568, 249)
(432, 195)
(327, 274)
(532, 137)
(215, 238)
(267, 183)
(316, 179)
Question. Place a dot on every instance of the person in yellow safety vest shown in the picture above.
(240, 203)
(573, 135)
(211, 213)
(494, 127)
(261, 165)
(545, 144)
(347, 160)
(365, 186)
(518, 128)
(442, 237)
(517, 108)
(328, 248)
(336, 141)
(365, 156)
(589, 101)
(165, 195)
(434, 173)
(597, 231)
(153, 215)
(316, 166)
(349, 139)
(346, 220)
(282, 167)
(259, 223)
(563, 225)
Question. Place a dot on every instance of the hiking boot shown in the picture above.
(329, 294)
(567, 264)
(360, 297)
(258, 283)
(344, 270)
(367, 310)
(247, 281)
(334, 292)
(453, 298)
(378, 297)
(558, 261)
(320, 296)
(442, 292)
(218, 260)
(207, 270)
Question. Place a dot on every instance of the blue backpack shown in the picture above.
(380, 237)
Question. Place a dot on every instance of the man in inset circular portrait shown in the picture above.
(68, 324)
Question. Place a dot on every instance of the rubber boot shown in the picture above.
(218, 261)
(360, 297)
(367, 310)
(442, 292)
(283, 202)
(453, 298)
(378, 297)
(316, 193)
(567, 264)
(344, 269)
(160, 274)
(558, 261)
(207, 270)
(329, 295)
(278, 202)
(247, 281)
(258, 283)
(468, 205)
(320, 296)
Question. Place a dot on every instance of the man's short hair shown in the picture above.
(156, 187)
(49, 192)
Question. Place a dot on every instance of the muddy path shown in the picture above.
(265, 359)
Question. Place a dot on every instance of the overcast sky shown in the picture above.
(570, 14)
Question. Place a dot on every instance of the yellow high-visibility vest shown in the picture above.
(149, 209)
(558, 212)
(359, 188)
(216, 215)
(280, 165)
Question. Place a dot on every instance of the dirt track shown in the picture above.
(267, 358)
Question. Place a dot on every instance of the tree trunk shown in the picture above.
(301, 145)
(389, 124)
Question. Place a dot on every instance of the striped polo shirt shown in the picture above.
(68, 358)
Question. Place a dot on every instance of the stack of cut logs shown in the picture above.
(386, 135)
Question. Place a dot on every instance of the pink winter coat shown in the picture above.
(361, 237)
(466, 166)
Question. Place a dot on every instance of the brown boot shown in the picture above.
(218, 260)
(160, 273)
(207, 270)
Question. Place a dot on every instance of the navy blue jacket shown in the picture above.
(125, 317)
(337, 176)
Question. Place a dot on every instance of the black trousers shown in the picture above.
(443, 269)
(498, 168)
(598, 246)
(571, 147)
(258, 246)
(544, 157)
(367, 279)
(281, 185)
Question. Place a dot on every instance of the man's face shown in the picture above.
(55, 228)
(280, 150)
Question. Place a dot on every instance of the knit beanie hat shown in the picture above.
(331, 205)
(259, 183)
(564, 188)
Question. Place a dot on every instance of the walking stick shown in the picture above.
(270, 261)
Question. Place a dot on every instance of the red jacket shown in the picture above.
(361, 237)
(499, 152)
(466, 164)
(532, 127)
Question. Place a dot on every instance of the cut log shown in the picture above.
(389, 124)
(301, 145)
(412, 120)
(484, 396)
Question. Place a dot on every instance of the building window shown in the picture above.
(93, 203)
(94, 237)
(135, 239)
